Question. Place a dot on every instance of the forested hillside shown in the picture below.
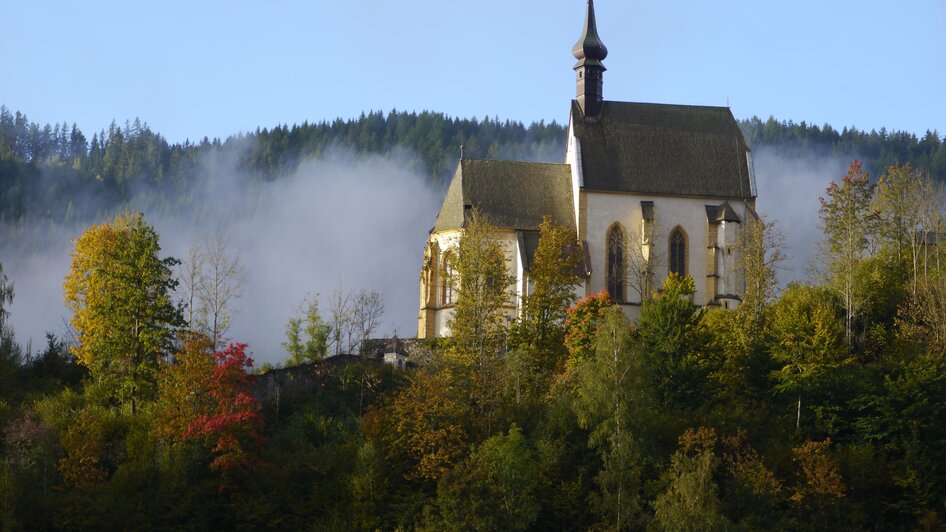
(50, 171)
(818, 406)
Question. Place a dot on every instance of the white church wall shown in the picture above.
(604, 209)
(572, 157)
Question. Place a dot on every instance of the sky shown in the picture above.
(200, 68)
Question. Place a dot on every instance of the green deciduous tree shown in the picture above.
(609, 402)
(806, 341)
(306, 335)
(691, 500)
(552, 280)
(483, 288)
(478, 325)
(119, 291)
(537, 338)
(760, 253)
(674, 342)
(849, 224)
(909, 205)
(494, 489)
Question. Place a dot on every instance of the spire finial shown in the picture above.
(590, 48)
(589, 71)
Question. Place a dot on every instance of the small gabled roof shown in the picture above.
(721, 213)
(512, 195)
(649, 148)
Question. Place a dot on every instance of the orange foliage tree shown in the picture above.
(184, 389)
(582, 324)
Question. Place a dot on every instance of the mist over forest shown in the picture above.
(308, 208)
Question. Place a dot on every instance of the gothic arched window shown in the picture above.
(447, 291)
(678, 252)
(616, 266)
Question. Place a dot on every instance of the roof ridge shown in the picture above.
(720, 107)
(474, 159)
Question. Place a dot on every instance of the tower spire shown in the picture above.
(590, 51)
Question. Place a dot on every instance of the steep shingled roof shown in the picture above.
(512, 194)
(663, 149)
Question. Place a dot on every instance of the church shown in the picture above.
(648, 188)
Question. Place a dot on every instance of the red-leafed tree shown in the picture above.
(234, 424)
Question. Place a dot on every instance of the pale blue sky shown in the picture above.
(195, 68)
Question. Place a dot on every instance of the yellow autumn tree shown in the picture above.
(184, 389)
(119, 292)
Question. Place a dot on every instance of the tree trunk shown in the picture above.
(798, 414)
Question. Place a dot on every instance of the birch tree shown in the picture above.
(902, 200)
(608, 399)
(212, 280)
(760, 254)
(848, 223)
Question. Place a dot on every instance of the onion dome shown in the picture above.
(589, 49)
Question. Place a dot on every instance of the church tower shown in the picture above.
(590, 51)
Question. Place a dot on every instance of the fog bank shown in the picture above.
(358, 221)
(788, 192)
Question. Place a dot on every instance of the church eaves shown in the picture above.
(650, 148)
(512, 194)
